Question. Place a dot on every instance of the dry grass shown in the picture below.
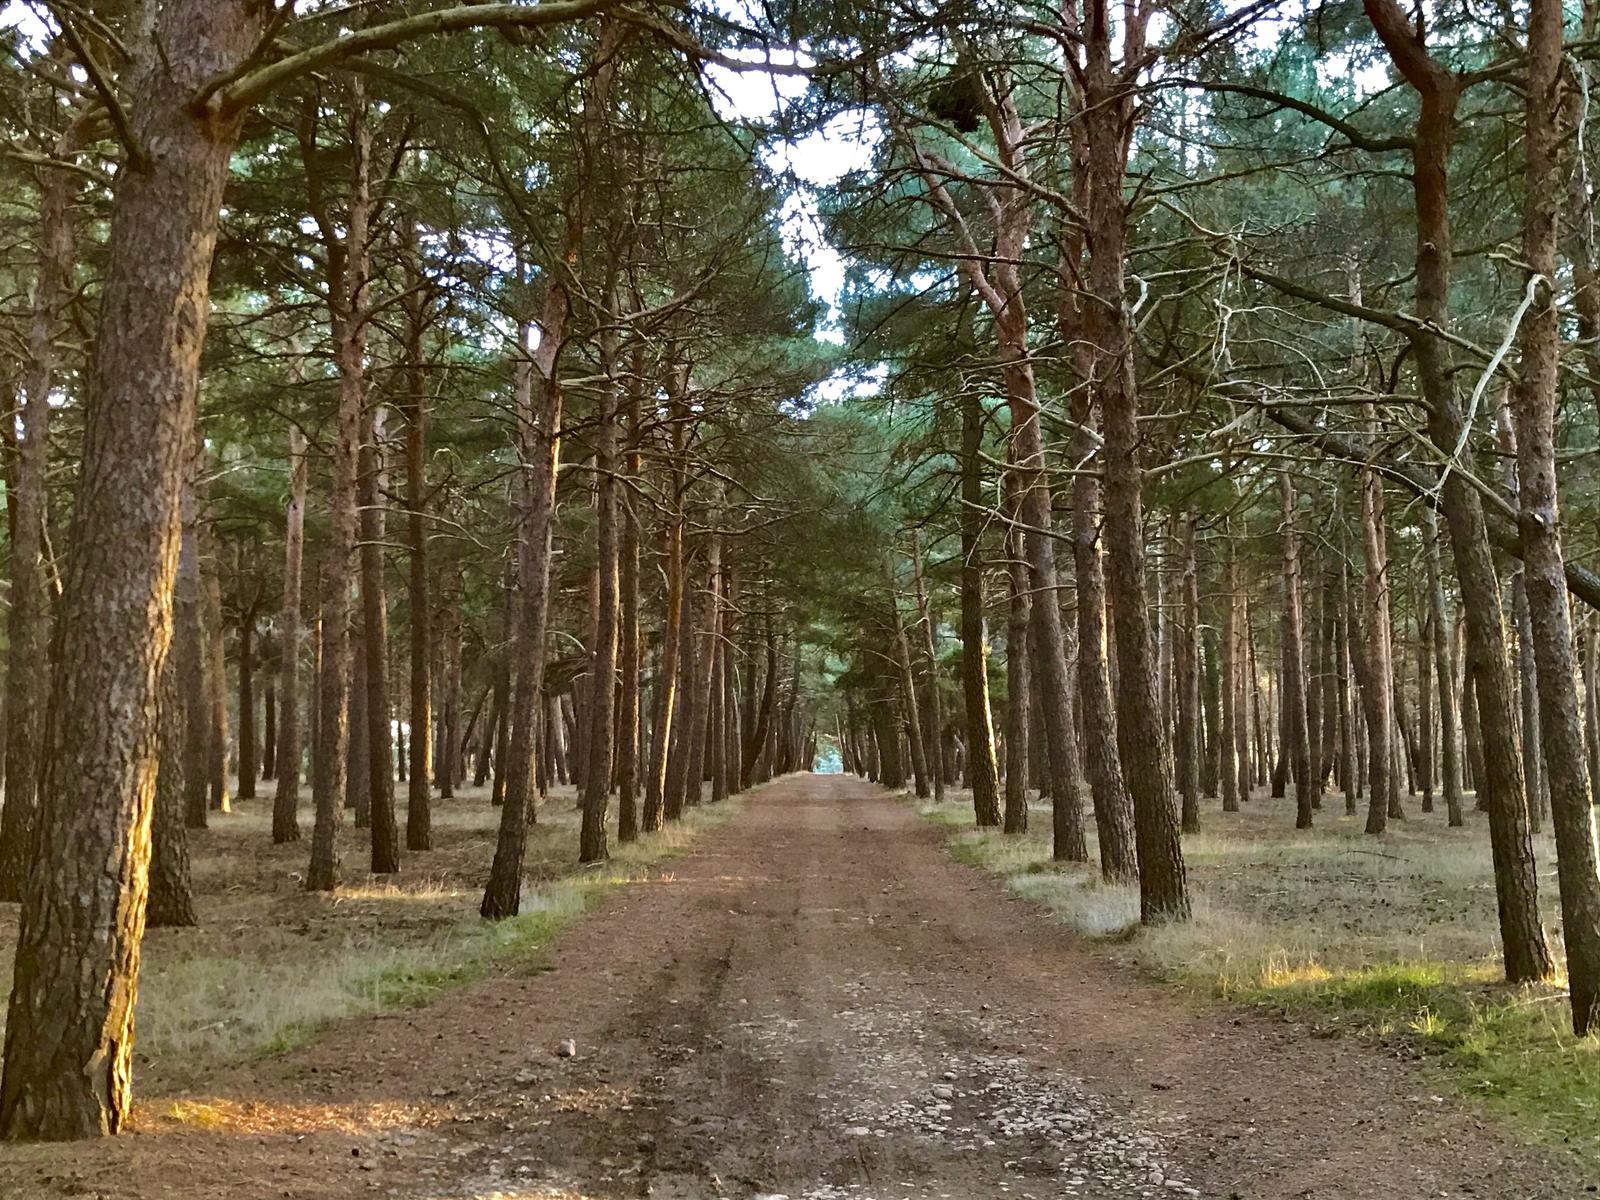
(270, 964)
(1394, 938)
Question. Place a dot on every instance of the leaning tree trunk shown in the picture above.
(1539, 521)
(286, 796)
(69, 1031)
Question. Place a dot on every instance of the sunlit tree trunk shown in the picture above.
(69, 1031)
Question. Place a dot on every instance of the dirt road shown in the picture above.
(818, 1004)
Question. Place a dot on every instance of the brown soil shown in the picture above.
(818, 1004)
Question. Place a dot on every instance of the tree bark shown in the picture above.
(1539, 520)
(348, 282)
(982, 770)
(1298, 751)
(385, 842)
(602, 714)
(171, 891)
(933, 742)
(286, 795)
(419, 714)
(248, 764)
(1186, 679)
(1527, 955)
(28, 624)
(69, 1032)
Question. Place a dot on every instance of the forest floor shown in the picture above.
(1391, 938)
(815, 1002)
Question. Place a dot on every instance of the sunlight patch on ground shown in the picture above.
(271, 965)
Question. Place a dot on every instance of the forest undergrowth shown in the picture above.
(1390, 939)
(272, 965)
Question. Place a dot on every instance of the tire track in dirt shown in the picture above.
(816, 1003)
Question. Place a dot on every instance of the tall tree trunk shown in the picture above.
(1527, 955)
(1018, 678)
(1441, 633)
(602, 684)
(1231, 767)
(1528, 693)
(28, 624)
(216, 674)
(1186, 679)
(982, 770)
(1539, 521)
(667, 699)
(630, 653)
(269, 727)
(69, 1031)
(908, 692)
(171, 891)
(933, 742)
(419, 715)
(539, 431)
(758, 736)
(348, 282)
(189, 649)
(375, 620)
(1374, 668)
(247, 704)
(1113, 810)
(1108, 100)
(705, 668)
(1298, 750)
(358, 781)
(286, 796)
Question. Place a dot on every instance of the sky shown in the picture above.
(815, 160)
